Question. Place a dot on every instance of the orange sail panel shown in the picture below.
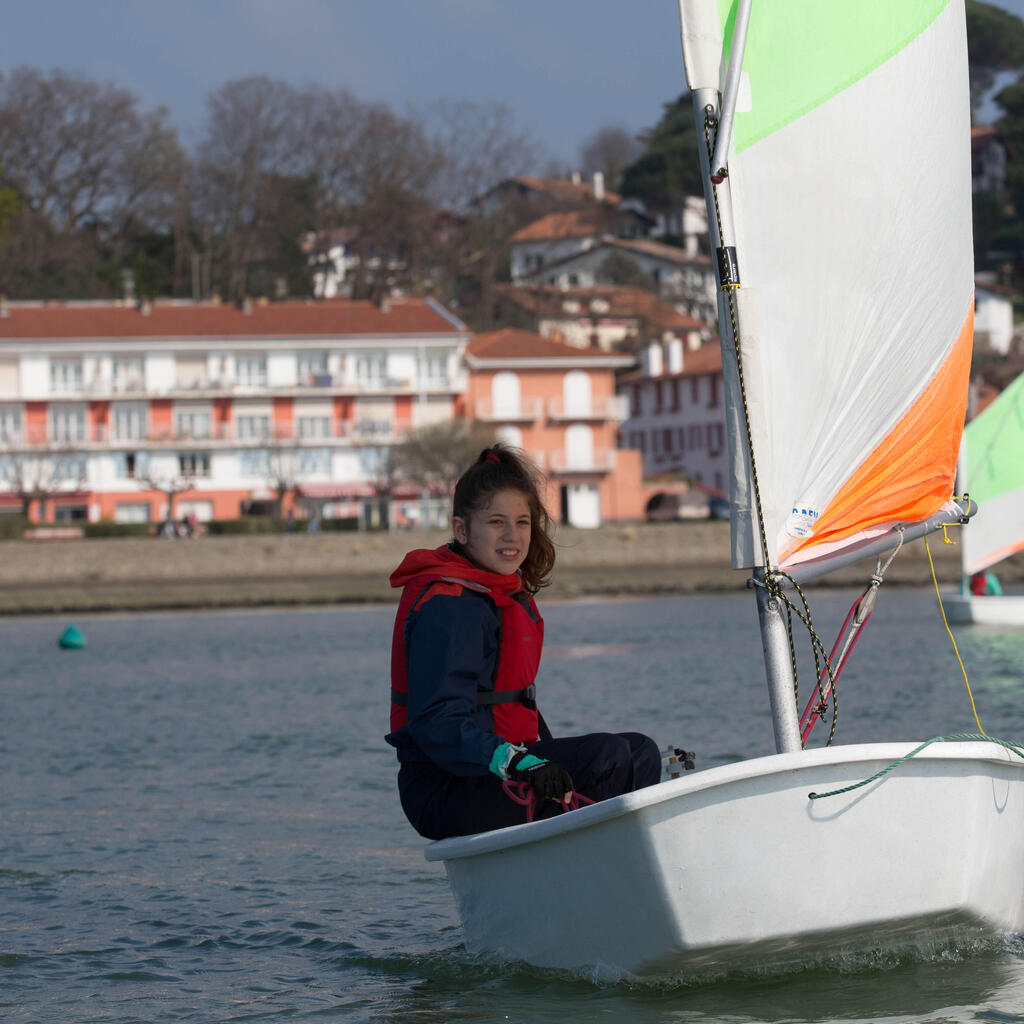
(911, 473)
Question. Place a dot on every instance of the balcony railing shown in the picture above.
(600, 461)
(101, 435)
(607, 407)
(527, 410)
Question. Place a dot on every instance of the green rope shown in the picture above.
(1017, 748)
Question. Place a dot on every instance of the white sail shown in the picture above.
(852, 232)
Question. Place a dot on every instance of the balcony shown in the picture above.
(527, 410)
(608, 407)
(567, 463)
(100, 436)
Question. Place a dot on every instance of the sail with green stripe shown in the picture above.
(848, 206)
(994, 450)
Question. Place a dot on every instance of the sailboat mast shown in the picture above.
(771, 618)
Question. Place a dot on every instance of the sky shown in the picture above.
(566, 68)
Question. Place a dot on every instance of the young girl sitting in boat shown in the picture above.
(464, 658)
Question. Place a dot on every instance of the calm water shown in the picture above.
(198, 820)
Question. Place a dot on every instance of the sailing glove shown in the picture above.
(548, 779)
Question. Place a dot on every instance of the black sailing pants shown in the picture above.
(602, 765)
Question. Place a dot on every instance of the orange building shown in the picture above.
(558, 403)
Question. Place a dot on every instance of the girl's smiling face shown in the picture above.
(497, 535)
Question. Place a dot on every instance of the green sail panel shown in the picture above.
(995, 447)
(835, 43)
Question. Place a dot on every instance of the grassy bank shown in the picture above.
(238, 571)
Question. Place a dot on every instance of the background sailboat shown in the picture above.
(835, 146)
(993, 457)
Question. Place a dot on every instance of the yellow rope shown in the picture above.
(952, 638)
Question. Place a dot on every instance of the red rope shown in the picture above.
(522, 793)
(810, 717)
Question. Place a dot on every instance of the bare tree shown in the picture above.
(83, 159)
(170, 486)
(250, 140)
(434, 457)
(480, 145)
(610, 150)
(40, 476)
(282, 470)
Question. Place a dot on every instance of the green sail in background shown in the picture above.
(995, 479)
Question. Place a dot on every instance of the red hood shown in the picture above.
(442, 561)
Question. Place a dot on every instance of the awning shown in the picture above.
(320, 492)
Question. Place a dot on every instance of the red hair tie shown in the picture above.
(491, 457)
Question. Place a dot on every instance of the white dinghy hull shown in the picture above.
(735, 866)
(965, 609)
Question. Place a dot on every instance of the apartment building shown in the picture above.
(559, 404)
(677, 413)
(110, 411)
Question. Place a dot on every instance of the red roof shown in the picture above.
(592, 220)
(706, 359)
(565, 190)
(512, 343)
(275, 319)
(623, 302)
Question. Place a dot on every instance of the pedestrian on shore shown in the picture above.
(464, 658)
(314, 522)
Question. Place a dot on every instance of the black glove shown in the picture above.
(548, 779)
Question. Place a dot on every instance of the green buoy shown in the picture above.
(72, 638)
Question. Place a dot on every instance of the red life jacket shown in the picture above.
(425, 574)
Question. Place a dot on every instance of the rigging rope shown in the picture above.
(956, 650)
(773, 575)
(954, 737)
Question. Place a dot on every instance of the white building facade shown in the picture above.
(111, 412)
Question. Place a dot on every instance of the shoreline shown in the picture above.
(293, 570)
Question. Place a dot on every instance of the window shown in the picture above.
(131, 512)
(695, 389)
(434, 369)
(312, 368)
(370, 371)
(251, 371)
(681, 437)
(254, 462)
(657, 395)
(313, 426)
(10, 424)
(67, 423)
(192, 422)
(69, 468)
(674, 407)
(634, 394)
(716, 438)
(129, 374)
(131, 465)
(65, 376)
(314, 462)
(71, 513)
(252, 428)
(667, 442)
(129, 422)
(713, 384)
(373, 461)
(194, 464)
